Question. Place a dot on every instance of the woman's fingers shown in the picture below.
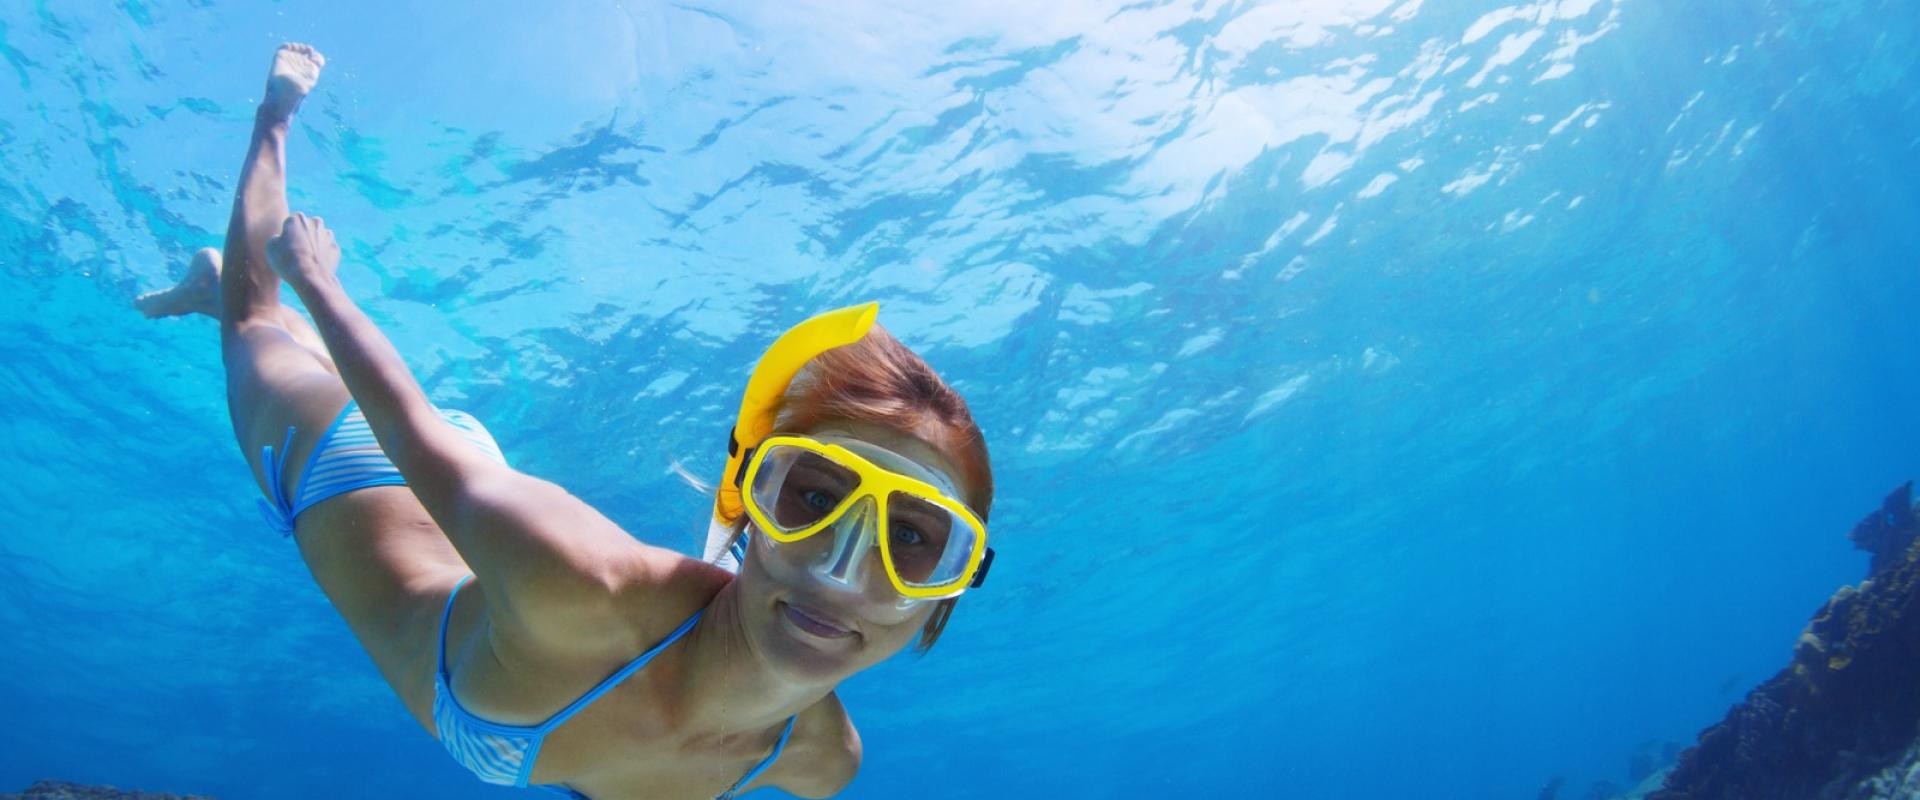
(299, 222)
(303, 237)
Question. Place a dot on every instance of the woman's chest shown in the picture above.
(608, 761)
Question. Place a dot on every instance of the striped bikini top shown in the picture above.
(504, 754)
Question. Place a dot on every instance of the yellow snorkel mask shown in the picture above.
(793, 488)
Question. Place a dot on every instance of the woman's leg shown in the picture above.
(374, 551)
(273, 380)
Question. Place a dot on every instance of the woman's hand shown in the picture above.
(304, 252)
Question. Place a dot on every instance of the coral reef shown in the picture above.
(1901, 781)
(57, 790)
(1841, 722)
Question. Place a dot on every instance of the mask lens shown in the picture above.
(798, 488)
(928, 544)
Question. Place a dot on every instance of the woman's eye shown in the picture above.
(819, 500)
(906, 535)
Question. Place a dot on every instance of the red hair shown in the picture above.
(877, 380)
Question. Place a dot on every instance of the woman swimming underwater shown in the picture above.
(542, 644)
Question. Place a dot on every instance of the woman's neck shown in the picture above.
(729, 686)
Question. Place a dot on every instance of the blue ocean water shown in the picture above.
(1388, 398)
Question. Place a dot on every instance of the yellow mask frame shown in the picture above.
(879, 484)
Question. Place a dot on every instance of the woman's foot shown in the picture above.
(296, 67)
(198, 292)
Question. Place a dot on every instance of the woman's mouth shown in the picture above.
(814, 621)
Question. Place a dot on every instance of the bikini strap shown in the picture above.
(613, 680)
(440, 656)
(278, 513)
(765, 762)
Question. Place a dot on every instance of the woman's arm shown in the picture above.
(538, 550)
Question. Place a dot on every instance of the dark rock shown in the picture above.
(1898, 782)
(1846, 709)
(58, 790)
(1889, 532)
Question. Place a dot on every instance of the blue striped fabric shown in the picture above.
(348, 458)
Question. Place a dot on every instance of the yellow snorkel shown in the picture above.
(783, 360)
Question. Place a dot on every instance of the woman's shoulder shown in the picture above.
(623, 602)
(656, 589)
(825, 752)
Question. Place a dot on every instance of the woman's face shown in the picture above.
(825, 631)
